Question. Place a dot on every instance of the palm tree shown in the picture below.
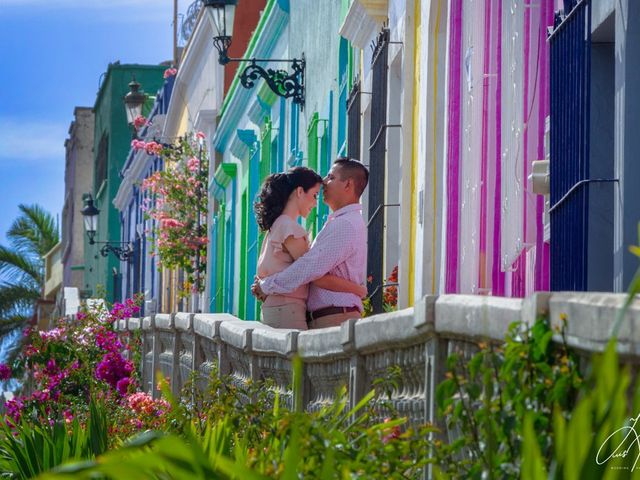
(31, 236)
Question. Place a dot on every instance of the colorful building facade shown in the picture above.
(112, 141)
(200, 85)
(449, 104)
(260, 133)
(140, 272)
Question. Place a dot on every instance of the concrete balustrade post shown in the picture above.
(247, 348)
(357, 373)
(224, 365)
(155, 362)
(176, 344)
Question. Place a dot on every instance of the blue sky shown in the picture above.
(54, 52)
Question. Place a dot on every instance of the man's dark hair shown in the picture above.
(354, 170)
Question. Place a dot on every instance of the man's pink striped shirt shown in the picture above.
(339, 249)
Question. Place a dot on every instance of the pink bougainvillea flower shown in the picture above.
(170, 72)
(123, 385)
(153, 148)
(139, 121)
(138, 144)
(5, 371)
(193, 164)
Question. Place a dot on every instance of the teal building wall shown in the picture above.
(112, 141)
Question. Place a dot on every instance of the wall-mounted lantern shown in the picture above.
(90, 214)
(282, 83)
(133, 102)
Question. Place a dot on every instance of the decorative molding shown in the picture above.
(363, 20)
(205, 119)
(258, 111)
(222, 178)
(261, 45)
(242, 144)
(198, 49)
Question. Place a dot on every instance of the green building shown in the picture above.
(112, 141)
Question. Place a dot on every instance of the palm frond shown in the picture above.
(10, 323)
(13, 342)
(17, 297)
(34, 231)
(17, 265)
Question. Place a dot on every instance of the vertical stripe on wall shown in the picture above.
(513, 195)
(497, 274)
(434, 153)
(471, 91)
(326, 145)
(244, 243)
(417, 36)
(453, 150)
(486, 69)
(252, 240)
(542, 249)
(312, 162)
(520, 274)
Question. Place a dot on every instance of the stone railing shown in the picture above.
(417, 340)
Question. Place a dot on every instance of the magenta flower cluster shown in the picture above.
(113, 368)
(124, 310)
(5, 371)
(78, 358)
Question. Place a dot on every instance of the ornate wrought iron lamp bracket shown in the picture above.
(122, 253)
(281, 82)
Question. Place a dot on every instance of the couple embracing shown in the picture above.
(322, 284)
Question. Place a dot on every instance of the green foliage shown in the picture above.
(31, 448)
(219, 435)
(600, 437)
(590, 442)
(31, 235)
(484, 401)
(177, 202)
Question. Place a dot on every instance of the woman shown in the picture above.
(284, 198)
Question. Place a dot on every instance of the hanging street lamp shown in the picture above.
(90, 214)
(284, 84)
(133, 102)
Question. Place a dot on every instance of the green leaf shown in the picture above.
(532, 464)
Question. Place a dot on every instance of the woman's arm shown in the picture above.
(339, 284)
(296, 247)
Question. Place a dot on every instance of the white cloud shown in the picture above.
(31, 142)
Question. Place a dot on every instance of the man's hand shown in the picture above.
(256, 291)
(362, 293)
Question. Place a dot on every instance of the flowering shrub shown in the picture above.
(390, 295)
(177, 201)
(77, 360)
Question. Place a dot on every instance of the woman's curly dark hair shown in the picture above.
(275, 192)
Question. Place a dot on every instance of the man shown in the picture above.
(339, 249)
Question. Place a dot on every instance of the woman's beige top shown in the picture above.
(274, 258)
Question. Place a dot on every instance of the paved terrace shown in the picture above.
(416, 339)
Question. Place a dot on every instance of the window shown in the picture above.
(101, 161)
(377, 158)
